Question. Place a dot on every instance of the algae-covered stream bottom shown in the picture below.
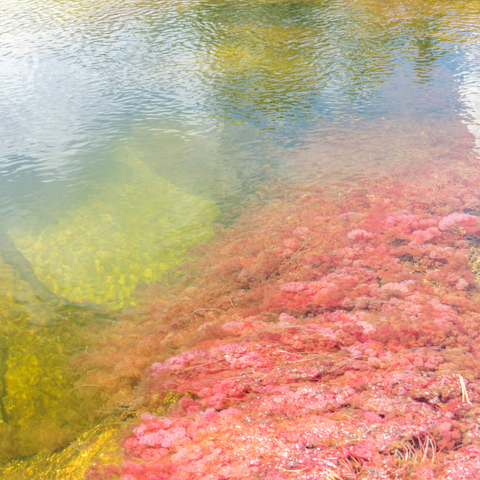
(252, 220)
(285, 352)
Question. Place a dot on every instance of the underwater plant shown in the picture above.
(131, 230)
(330, 333)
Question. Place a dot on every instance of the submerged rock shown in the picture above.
(131, 230)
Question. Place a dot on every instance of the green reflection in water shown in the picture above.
(308, 59)
(131, 229)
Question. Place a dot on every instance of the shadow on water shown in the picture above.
(11, 256)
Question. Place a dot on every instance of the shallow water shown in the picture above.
(131, 126)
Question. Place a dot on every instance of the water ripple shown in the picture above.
(77, 76)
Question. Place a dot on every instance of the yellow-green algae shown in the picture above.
(40, 408)
(97, 445)
(131, 229)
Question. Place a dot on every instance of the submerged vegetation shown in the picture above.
(132, 230)
(39, 408)
(331, 333)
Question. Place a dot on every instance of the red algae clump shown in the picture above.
(332, 333)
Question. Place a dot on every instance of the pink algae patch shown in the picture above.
(353, 355)
(295, 287)
(470, 223)
(358, 234)
(422, 236)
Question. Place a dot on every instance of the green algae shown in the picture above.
(40, 408)
(97, 443)
(131, 229)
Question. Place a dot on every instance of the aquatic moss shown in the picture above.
(131, 229)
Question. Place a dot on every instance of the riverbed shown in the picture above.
(136, 134)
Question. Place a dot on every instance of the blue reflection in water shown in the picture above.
(209, 92)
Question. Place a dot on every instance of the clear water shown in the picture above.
(211, 92)
(208, 103)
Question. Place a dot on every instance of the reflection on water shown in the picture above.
(470, 94)
(74, 75)
(218, 100)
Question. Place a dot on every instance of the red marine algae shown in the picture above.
(330, 334)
